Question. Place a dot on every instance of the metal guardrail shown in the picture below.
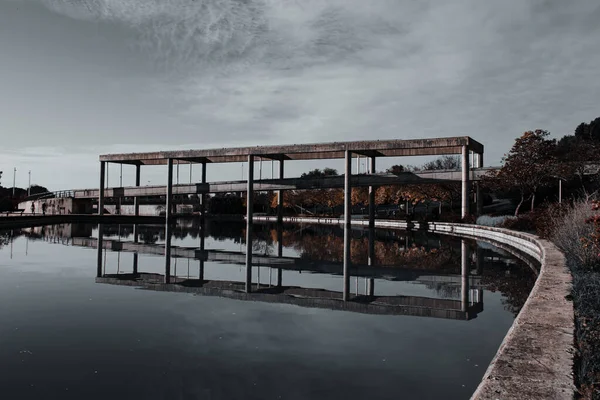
(50, 195)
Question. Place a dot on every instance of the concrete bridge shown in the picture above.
(373, 149)
(328, 182)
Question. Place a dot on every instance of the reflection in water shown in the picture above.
(451, 267)
(442, 264)
(92, 330)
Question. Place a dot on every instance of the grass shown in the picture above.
(567, 233)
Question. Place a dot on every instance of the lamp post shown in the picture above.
(14, 180)
(29, 187)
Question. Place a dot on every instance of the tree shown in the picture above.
(444, 162)
(395, 169)
(528, 166)
(317, 173)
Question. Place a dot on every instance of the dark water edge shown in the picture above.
(65, 336)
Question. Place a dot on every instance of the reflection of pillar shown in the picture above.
(202, 244)
(479, 261)
(101, 191)
(135, 263)
(99, 247)
(279, 252)
(280, 195)
(371, 281)
(372, 197)
(136, 199)
(464, 289)
(347, 222)
(167, 253)
(249, 215)
(465, 182)
(203, 195)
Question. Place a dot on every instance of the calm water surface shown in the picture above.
(67, 333)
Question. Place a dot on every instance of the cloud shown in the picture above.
(289, 71)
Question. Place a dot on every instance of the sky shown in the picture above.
(80, 78)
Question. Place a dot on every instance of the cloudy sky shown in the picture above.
(80, 78)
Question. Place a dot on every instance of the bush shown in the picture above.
(488, 220)
(573, 231)
(569, 230)
(523, 223)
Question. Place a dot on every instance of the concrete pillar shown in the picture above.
(371, 281)
(249, 216)
(347, 222)
(136, 199)
(169, 196)
(168, 220)
(280, 195)
(465, 266)
(465, 183)
(479, 197)
(203, 195)
(99, 249)
(101, 191)
(372, 197)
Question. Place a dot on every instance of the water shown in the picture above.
(68, 333)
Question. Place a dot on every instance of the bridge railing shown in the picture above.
(50, 195)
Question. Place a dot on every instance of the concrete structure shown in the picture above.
(346, 150)
(328, 182)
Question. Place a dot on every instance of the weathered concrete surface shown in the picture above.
(330, 182)
(535, 359)
(312, 151)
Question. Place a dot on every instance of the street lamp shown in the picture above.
(14, 180)
(29, 187)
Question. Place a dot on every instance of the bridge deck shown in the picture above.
(330, 182)
(370, 148)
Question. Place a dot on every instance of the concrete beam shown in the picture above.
(333, 182)
(384, 148)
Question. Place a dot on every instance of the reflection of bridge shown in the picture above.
(315, 298)
(392, 273)
(469, 305)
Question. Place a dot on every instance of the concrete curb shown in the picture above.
(535, 359)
